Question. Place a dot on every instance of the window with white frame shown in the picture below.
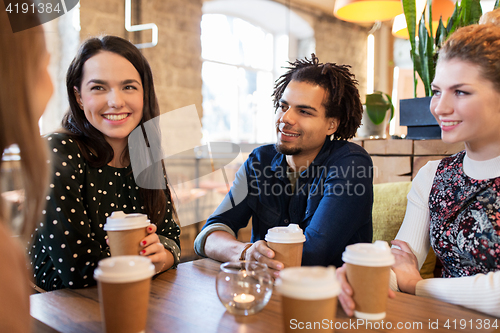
(241, 61)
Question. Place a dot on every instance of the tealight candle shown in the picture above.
(244, 287)
(244, 301)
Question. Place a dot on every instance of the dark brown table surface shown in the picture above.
(185, 300)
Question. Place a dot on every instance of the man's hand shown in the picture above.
(260, 252)
(222, 246)
(406, 267)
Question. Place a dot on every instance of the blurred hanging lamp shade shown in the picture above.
(399, 28)
(365, 11)
(440, 8)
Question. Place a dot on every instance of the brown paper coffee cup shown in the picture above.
(287, 243)
(309, 298)
(123, 283)
(319, 313)
(126, 242)
(124, 306)
(289, 254)
(368, 268)
(125, 233)
(370, 286)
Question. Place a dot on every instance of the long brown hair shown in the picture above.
(19, 66)
(95, 149)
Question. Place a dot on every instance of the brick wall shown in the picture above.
(175, 61)
(102, 17)
(343, 43)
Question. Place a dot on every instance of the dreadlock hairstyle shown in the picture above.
(342, 101)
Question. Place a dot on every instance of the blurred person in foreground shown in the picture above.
(25, 89)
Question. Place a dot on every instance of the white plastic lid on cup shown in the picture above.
(121, 221)
(377, 254)
(286, 235)
(308, 282)
(124, 269)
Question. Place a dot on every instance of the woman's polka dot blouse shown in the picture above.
(70, 240)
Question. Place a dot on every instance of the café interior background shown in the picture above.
(223, 56)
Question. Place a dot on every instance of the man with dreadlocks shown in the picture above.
(312, 176)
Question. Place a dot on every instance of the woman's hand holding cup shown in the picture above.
(154, 250)
(365, 261)
(132, 234)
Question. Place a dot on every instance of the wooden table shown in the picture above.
(185, 300)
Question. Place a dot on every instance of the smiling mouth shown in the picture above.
(450, 123)
(290, 135)
(116, 117)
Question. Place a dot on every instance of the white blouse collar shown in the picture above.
(482, 169)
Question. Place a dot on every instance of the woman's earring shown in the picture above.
(331, 137)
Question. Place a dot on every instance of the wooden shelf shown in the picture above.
(399, 160)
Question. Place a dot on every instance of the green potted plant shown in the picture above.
(415, 113)
(376, 115)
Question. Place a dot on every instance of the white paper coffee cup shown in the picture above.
(121, 221)
(124, 269)
(376, 254)
(286, 235)
(308, 282)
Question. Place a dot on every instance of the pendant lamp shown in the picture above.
(440, 8)
(365, 11)
(399, 27)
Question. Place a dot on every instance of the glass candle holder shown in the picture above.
(244, 287)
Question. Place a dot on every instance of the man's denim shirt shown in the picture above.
(332, 200)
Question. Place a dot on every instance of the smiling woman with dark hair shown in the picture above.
(110, 90)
